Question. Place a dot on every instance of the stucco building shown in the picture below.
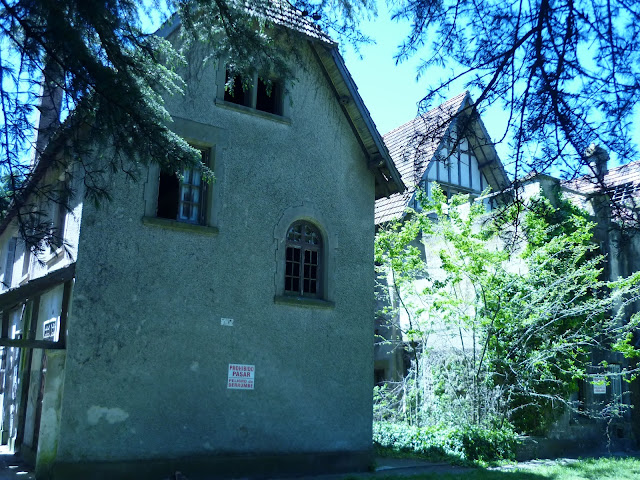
(217, 329)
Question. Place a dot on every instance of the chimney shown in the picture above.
(597, 158)
(50, 107)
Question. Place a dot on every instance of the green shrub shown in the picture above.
(463, 443)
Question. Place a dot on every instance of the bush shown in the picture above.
(464, 443)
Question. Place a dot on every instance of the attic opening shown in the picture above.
(236, 93)
(263, 95)
(268, 97)
(624, 191)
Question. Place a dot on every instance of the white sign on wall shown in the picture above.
(599, 385)
(241, 377)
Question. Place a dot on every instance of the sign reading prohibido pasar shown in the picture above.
(240, 377)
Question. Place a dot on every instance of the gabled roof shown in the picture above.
(387, 179)
(621, 185)
(281, 12)
(416, 144)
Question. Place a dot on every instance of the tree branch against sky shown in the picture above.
(566, 72)
(110, 77)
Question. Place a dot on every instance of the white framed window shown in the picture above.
(183, 197)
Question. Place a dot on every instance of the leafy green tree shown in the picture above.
(499, 334)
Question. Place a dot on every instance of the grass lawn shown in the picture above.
(589, 469)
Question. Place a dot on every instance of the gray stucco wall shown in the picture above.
(147, 358)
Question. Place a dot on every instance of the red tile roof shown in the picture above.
(620, 182)
(412, 147)
(281, 12)
(622, 185)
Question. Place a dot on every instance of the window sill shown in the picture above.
(179, 226)
(55, 256)
(253, 111)
(303, 302)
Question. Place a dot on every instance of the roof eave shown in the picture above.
(173, 23)
(387, 177)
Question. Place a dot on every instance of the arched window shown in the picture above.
(303, 260)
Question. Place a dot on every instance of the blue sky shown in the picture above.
(391, 91)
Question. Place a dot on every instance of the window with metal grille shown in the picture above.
(183, 198)
(624, 192)
(302, 260)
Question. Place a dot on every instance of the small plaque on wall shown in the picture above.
(599, 385)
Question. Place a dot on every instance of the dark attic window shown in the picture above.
(237, 95)
(265, 96)
(268, 97)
